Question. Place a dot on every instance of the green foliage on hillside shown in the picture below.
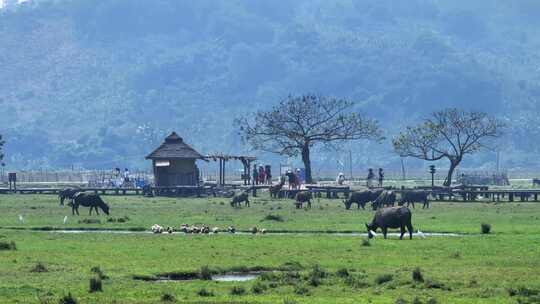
(100, 82)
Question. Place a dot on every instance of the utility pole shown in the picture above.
(432, 170)
(350, 164)
(498, 160)
(403, 175)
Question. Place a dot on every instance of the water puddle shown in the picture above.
(182, 277)
(236, 277)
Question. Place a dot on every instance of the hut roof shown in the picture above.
(174, 147)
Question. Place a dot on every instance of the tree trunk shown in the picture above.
(307, 163)
(453, 166)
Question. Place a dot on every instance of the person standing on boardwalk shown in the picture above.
(370, 178)
(268, 173)
(255, 175)
(262, 176)
(340, 179)
(381, 177)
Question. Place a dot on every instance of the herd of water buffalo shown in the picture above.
(387, 215)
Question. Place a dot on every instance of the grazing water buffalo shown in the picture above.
(301, 198)
(394, 217)
(88, 200)
(359, 198)
(385, 199)
(411, 197)
(68, 193)
(275, 189)
(239, 198)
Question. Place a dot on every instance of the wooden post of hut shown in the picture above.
(174, 163)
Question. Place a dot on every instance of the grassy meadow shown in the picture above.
(45, 266)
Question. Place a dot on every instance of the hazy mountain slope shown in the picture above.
(98, 83)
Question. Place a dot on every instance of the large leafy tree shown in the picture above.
(450, 134)
(298, 123)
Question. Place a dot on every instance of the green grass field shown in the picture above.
(500, 267)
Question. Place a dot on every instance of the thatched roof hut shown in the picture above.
(174, 163)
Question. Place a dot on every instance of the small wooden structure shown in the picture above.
(223, 159)
(174, 163)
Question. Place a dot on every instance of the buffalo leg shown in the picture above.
(73, 210)
(402, 230)
(91, 207)
(384, 231)
(309, 204)
(410, 228)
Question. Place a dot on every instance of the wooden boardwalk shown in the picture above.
(331, 192)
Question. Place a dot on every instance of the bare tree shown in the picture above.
(449, 134)
(298, 123)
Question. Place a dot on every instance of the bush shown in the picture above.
(400, 301)
(523, 291)
(356, 283)
(432, 301)
(318, 272)
(291, 265)
(238, 291)
(167, 297)
(485, 228)
(301, 290)
(89, 221)
(365, 243)
(416, 301)
(289, 301)
(95, 285)
(417, 275)
(69, 299)
(205, 293)
(456, 255)
(97, 270)
(205, 273)
(4, 245)
(343, 273)
(383, 278)
(273, 217)
(269, 276)
(314, 280)
(118, 220)
(435, 285)
(39, 267)
(258, 288)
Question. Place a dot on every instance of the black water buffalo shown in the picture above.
(411, 197)
(68, 193)
(386, 199)
(91, 200)
(394, 217)
(303, 197)
(275, 189)
(239, 198)
(359, 198)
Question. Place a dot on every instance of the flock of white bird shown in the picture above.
(204, 229)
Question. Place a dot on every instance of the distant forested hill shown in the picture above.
(97, 83)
